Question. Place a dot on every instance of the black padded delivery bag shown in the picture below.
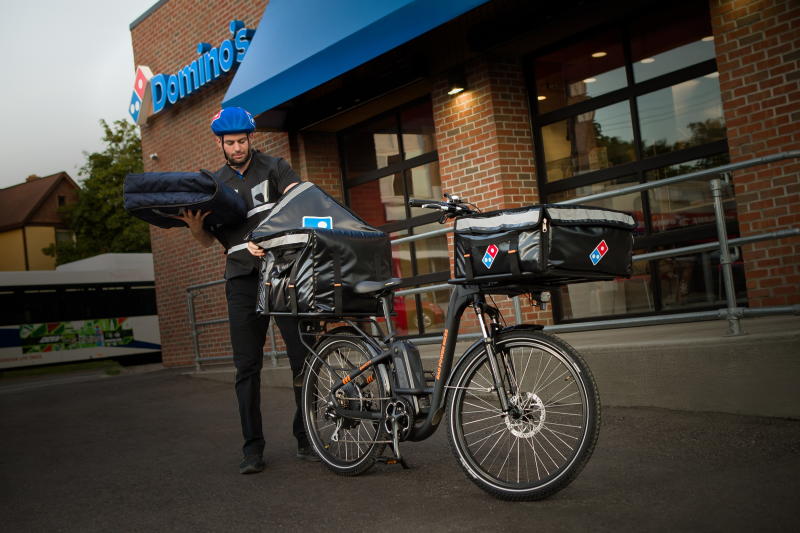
(544, 245)
(155, 196)
(316, 252)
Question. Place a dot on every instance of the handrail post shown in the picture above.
(273, 349)
(193, 326)
(734, 325)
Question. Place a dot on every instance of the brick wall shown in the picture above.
(758, 56)
(483, 136)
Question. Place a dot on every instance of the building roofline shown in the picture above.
(147, 13)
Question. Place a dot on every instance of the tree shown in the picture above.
(100, 222)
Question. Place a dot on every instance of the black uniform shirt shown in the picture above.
(261, 186)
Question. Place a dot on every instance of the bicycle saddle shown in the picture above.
(366, 287)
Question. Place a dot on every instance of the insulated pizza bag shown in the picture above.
(317, 250)
(544, 244)
(154, 196)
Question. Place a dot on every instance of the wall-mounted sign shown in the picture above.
(152, 94)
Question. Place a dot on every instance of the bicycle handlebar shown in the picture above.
(453, 208)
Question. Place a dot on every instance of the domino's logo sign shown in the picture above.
(318, 222)
(489, 256)
(141, 94)
(598, 253)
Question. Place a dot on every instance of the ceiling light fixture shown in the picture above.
(600, 54)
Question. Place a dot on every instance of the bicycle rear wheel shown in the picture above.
(548, 436)
(348, 446)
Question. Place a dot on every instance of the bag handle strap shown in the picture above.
(338, 304)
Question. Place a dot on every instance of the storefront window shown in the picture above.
(665, 43)
(648, 109)
(589, 141)
(379, 201)
(386, 161)
(371, 146)
(684, 115)
(602, 298)
(687, 203)
(630, 203)
(418, 131)
(580, 72)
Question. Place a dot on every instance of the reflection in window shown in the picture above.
(418, 130)
(579, 72)
(432, 254)
(630, 203)
(665, 42)
(684, 115)
(379, 201)
(590, 141)
(371, 146)
(696, 281)
(602, 298)
(425, 184)
(687, 203)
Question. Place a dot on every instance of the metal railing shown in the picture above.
(732, 313)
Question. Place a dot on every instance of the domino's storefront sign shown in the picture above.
(153, 94)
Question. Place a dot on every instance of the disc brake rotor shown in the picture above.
(529, 415)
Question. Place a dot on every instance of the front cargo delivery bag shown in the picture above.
(156, 196)
(316, 252)
(544, 245)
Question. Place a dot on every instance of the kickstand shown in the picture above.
(394, 459)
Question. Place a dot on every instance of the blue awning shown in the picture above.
(300, 45)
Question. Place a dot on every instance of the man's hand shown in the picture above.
(255, 249)
(194, 220)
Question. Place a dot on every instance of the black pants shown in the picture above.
(248, 333)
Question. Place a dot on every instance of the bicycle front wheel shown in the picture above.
(347, 446)
(546, 438)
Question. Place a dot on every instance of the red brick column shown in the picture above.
(485, 146)
(758, 55)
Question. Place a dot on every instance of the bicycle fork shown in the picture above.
(488, 340)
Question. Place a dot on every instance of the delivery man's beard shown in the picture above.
(236, 165)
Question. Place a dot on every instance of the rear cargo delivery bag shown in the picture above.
(544, 244)
(317, 250)
(155, 196)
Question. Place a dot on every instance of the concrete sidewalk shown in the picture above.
(694, 367)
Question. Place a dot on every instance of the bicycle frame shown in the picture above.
(461, 297)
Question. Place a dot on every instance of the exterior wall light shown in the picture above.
(154, 156)
(457, 83)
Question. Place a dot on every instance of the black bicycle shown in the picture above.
(523, 412)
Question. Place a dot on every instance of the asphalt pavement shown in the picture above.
(158, 451)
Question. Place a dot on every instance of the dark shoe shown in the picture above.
(306, 453)
(252, 464)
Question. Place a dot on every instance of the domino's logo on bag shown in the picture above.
(488, 257)
(318, 222)
(598, 253)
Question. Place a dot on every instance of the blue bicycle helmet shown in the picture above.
(232, 120)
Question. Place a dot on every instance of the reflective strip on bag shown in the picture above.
(259, 209)
(583, 214)
(501, 221)
(294, 238)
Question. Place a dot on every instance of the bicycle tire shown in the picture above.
(356, 448)
(545, 444)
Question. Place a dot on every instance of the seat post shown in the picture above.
(387, 314)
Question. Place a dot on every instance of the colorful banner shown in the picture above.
(57, 336)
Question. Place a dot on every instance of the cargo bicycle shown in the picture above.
(521, 406)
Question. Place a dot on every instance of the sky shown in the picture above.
(65, 66)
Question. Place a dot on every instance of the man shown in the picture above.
(260, 180)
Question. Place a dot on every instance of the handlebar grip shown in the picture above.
(414, 202)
